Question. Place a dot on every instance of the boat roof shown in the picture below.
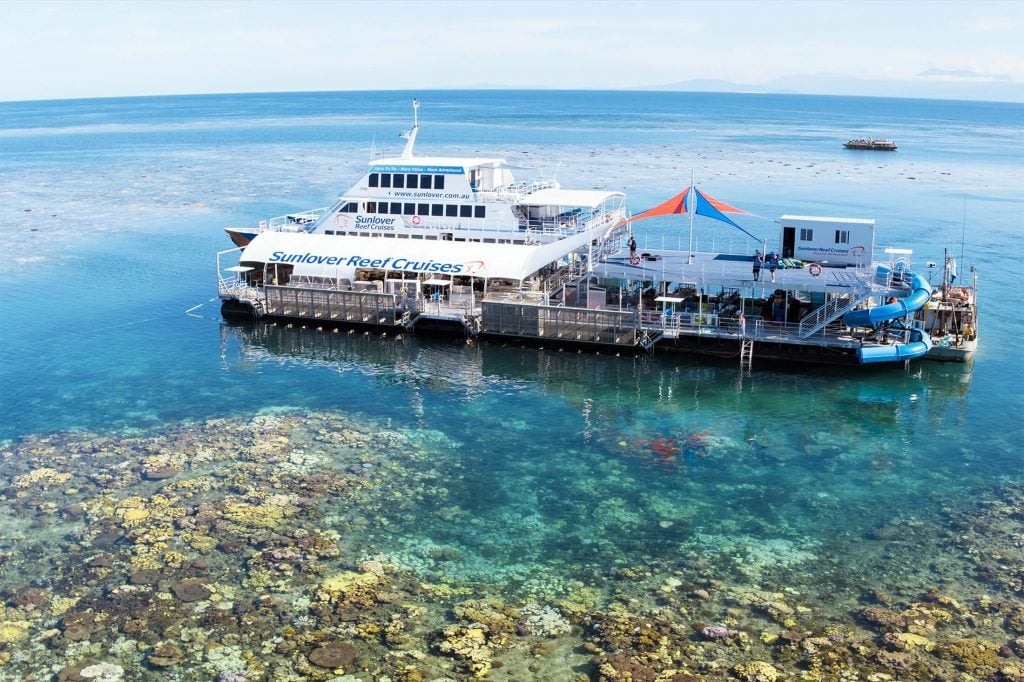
(339, 256)
(829, 219)
(577, 198)
(438, 161)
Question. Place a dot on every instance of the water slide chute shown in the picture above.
(919, 344)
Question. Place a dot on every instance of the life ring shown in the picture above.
(415, 220)
(634, 258)
(814, 269)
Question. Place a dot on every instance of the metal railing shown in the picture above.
(517, 191)
(295, 222)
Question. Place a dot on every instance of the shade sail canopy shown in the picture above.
(703, 205)
(239, 268)
(341, 256)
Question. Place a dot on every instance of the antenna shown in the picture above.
(373, 146)
(410, 135)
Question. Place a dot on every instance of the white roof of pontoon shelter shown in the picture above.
(340, 256)
(569, 197)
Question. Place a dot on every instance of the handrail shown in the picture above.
(301, 220)
(517, 191)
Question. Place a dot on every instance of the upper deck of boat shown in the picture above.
(733, 271)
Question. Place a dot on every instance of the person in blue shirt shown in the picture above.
(758, 262)
(773, 264)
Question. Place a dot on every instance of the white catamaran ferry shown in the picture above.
(458, 242)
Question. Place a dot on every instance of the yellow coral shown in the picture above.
(62, 605)
(347, 585)
(134, 516)
(911, 640)
(756, 670)
(13, 631)
(175, 559)
(43, 476)
(257, 515)
(198, 541)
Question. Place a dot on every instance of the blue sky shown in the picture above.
(55, 50)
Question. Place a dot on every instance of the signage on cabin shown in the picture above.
(831, 241)
(389, 263)
(447, 170)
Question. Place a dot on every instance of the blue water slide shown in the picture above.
(920, 293)
(919, 344)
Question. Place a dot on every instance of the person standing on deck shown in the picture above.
(757, 265)
(774, 264)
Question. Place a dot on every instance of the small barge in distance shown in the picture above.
(880, 145)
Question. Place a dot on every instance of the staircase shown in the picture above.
(835, 309)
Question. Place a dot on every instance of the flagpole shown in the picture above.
(689, 253)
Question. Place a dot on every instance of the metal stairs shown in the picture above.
(836, 308)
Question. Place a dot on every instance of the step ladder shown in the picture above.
(746, 354)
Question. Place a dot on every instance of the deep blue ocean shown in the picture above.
(111, 212)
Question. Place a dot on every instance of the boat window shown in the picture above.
(436, 209)
(425, 181)
(438, 182)
(385, 179)
(410, 209)
(842, 236)
(411, 181)
(479, 211)
(373, 180)
(398, 180)
(423, 209)
(806, 234)
(465, 211)
(396, 208)
(451, 210)
(371, 206)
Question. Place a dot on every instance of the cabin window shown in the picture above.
(842, 236)
(451, 210)
(382, 207)
(423, 209)
(806, 234)
(437, 209)
(398, 180)
(350, 207)
(412, 181)
(410, 209)
(465, 211)
(396, 208)
(371, 206)
(373, 179)
(385, 179)
(438, 182)
(479, 211)
(425, 181)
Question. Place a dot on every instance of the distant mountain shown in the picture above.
(932, 84)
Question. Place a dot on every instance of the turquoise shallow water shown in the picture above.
(527, 473)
